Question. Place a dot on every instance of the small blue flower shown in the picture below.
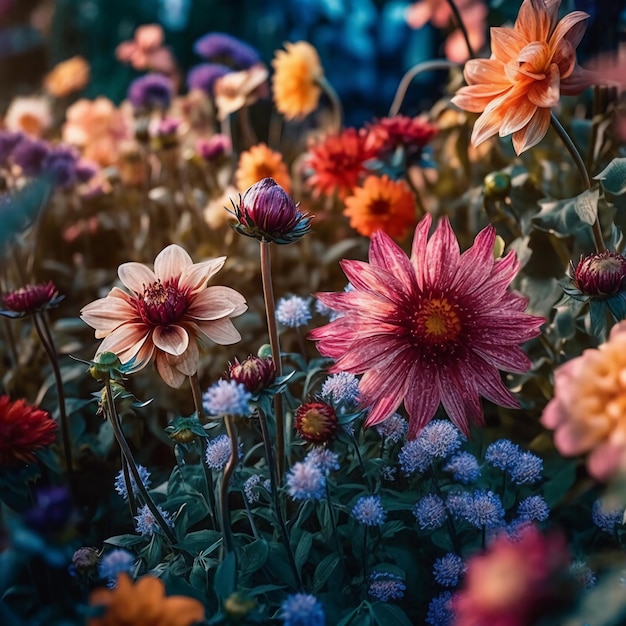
(251, 488)
(341, 388)
(369, 510)
(413, 458)
(388, 473)
(324, 458)
(464, 468)
(218, 452)
(583, 574)
(385, 586)
(116, 562)
(146, 524)
(485, 509)
(120, 483)
(227, 397)
(606, 519)
(439, 611)
(440, 439)
(459, 503)
(526, 470)
(393, 429)
(306, 481)
(293, 311)
(302, 609)
(502, 454)
(430, 512)
(448, 569)
(533, 508)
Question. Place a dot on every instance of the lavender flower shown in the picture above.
(115, 562)
(341, 388)
(251, 488)
(448, 569)
(430, 512)
(306, 481)
(526, 469)
(218, 452)
(413, 458)
(293, 311)
(146, 524)
(324, 458)
(605, 519)
(223, 48)
(533, 508)
(8, 141)
(203, 76)
(464, 468)
(385, 586)
(227, 397)
(152, 91)
(60, 164)
(484, 509)
(459, 503)
(368, 510)
(440, 438)
(302, 609)
(29, 154)
(502, 454)
(393, 429)
(439, 610)
(120, 483)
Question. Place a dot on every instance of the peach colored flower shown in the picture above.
(295, 86)
(531, 66)
(30, 115)
(67, 77)
(167, 314)
(381, 204)
(238, 89)
(261, 162)
(588, 411)
(147, 52)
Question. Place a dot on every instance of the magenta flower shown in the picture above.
(435, 328)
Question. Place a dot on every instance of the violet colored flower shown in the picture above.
(8, 141)
(600, 274)
(30, 299)
(60, 164)
(222, 48)
(443, 318)
(152, 91)
(214, 147)
(203, 76)
(30, 154)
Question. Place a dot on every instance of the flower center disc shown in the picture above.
(437, 321)
(162, 304)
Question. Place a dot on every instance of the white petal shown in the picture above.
(171, 262)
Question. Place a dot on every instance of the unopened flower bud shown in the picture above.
(497, 185)
(84, 560)
(238, 606)
(254, 373)
(316, 422)
(601, 274)
(31, 299)
(105, 366)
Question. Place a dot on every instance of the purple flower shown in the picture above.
(306, 481)
(152, 91)
(430, 512)
(8, 141)
(222, 48)
(203, 76)
(60, 165)
(448, 569)
(368, 510)
(214, 147)
(30, 154)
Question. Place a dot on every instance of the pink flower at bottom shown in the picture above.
(435, 328)
(588, 411)
(167, 314)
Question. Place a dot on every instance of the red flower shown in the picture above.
(31, 299)
(23, 430)
(434, 328)
(338, 162)
(390, 133)
(316, 422)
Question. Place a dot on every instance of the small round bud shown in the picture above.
(498, 247)
(316, 422)
(601, 274)
(497, 185)
(238, 606)
(84, 560)
(105, 366)
(265, 351)
(254, 373)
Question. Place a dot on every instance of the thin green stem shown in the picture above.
(449, 521)
(129, 488)
(411, 74)
(272, 329)
(227, 532)
(461, 25)
(197, 397)
(580, 164)
(333, 524)
(208, 477)
(335, 102)
(132, 465)
(48, 344)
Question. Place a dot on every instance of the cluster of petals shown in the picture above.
(588, 412)
(531, 66)
(146, 51)
(235, 90)
(261, 162)
(168, 312)
(434, 328)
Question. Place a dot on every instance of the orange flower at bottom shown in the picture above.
(381, 204)
(143, 604)
(261, 162)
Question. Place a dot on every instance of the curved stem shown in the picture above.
(411, 74)
(132, 465)
(231, 429)
(580, 164)
(272, 329)
(129, 488)
(197, 397)
(335, 102)
(461, 26)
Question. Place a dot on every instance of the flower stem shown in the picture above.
(411, 74)
(580, 164)
(208, 477)
(197, 397)
(462, 28)
(333, 524)
(231, 429)
(132, 465)
(48, 344)
(129, 488)
(272, 329)
(335, 102)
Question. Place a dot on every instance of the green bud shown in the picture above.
(498, 247)
(106, 366)
(265, 351)
(497, 185)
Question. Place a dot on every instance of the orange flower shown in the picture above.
(297, 72)
(23, 430)
(338, 162)
(67, 77)
(261, 162)
(169, 311)
(381, 204)
(143, 604)
(531, 65)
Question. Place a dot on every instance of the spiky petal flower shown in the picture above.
(24, 429)
(601, 274)
(442, 318)
(255, 373)
(531, 66)
(30, 299)
(167, 314)
(316, 421)
(261, 162)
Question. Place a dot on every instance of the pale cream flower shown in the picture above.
(30, 115)
(238, 89)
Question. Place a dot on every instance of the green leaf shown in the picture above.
(124, 541)
(303, 549)
(586, 205)
(254, 556)
(613, 177)
(225, 581)
(324, 570)
(389, 615)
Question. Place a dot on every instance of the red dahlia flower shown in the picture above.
(435, 328)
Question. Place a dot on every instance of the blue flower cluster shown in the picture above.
(341, 388)
(115, 562)
(524, 468)
(227, 397)
(368, 510)
(449, 569)
(146, 524)
(438, 440)
(306, 481)
(120, 483)
(385, 586)
(302, 609)
(293, 311)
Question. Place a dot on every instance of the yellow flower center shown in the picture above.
(437, 321)
(162, 304)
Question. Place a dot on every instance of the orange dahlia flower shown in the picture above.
(296, 79)
(338, 162)
(261, 162)
(381, 204)
(23, 430)
(67, 77)
(143, 603)
(531, 66)
(167, 314)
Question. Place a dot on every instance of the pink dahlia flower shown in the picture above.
(167, 314)
(435, 328)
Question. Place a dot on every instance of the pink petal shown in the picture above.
(196, 276)
(460, 402)
(476, 263)
(422, 398)
(136, 276)
(578, 81)
(106, 314)
(385, 253)
(381, 352)
(505, 358)
(220, 331)
(490, 385)
(125, 341)
(533, 132)
(384, 392)
(372, 278)
(188, 362)
(443, 255)
(143, 357)
(605, 461)
(216, 302)
(553, 414)
(170, 375)
(171, 262)
(172, 339)
(418, 250)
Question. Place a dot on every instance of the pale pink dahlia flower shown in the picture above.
(588, 412)
(168, 313)
(435, 328)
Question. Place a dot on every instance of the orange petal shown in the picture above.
(487, 125)
(517, 116)
(546, 93)
(533, 132)
(485, 72)
(181, 611)
(216, 302)
(571, 27)
(136, 276)
(506, 43)
(578, 81)
(199, 274)
(171, 262)
(535, 18)
(536, 54)
(172, 339)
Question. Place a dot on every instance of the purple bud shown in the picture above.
(152, 91)
(203, 76)
(600, 274)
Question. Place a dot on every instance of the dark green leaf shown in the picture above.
(225, 581)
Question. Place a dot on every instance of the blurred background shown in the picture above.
(365, 45)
